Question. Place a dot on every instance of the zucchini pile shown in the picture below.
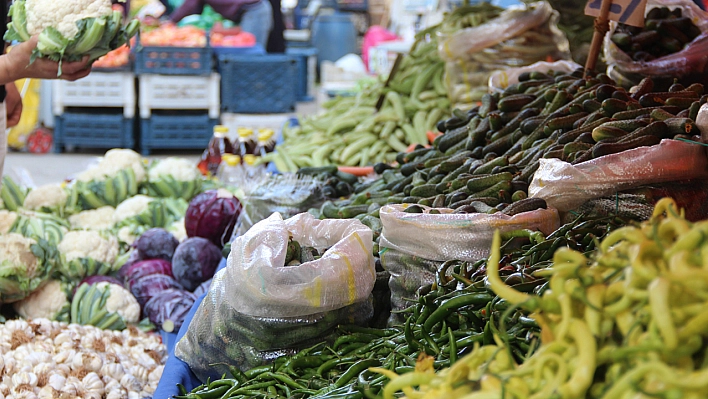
(352, 132)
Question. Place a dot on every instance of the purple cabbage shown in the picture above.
(195, 261)
(144, 268)
(147, 287)
(212, 215)
(168, 309)
(156, 243)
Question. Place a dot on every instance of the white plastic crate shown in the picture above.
(179, 92)
(97, 90)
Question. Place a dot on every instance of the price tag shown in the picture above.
(630, 12)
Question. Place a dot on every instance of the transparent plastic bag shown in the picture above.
(520, 36)
(288, 194)
(257, 307)
(566, 187)
(500, 80)
(691, 61)
(413, 245)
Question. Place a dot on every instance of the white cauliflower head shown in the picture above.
(131, 207)
(95, 219)
(113, 162)
(88, 244)
(47, 196)
(125, 234)
(15, 249)
(178, 230)
(46, 302)
(63, 15)
(180, 168)
(7, 219)
(121, 301)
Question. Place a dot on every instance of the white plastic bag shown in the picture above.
(500, 80)
(690, 60)
(263, 286)
(414, 245)
(257, 308)
(566, 187)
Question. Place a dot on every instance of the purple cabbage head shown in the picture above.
(195, 261)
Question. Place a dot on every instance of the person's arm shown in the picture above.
(16, 65)
(189, 7)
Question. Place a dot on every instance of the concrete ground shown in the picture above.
(54, 168)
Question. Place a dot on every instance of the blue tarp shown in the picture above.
(177, 371)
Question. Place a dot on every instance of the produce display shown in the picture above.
(91, 28)
(352, 132)
(49, 359)
(665, 32)
(599, 338)
(173, 36)
(115, 59)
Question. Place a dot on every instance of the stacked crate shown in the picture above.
(95, 112)
(179, 97)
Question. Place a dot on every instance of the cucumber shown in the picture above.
(487, 167)
(656, 99)
(612, 105)
(602, 149)
(661, 115)
(525, 205)
(452, 137)
(565, 122)
(493, 191)
(570, 136)
(606, 132)
(314, 171)
(515, 102)
(518, 195)
(658, 129)
(574, 147)
(645, 86)
(484, 182)
(531, 124)
(680, 102)
(681, 126)
(426, 190)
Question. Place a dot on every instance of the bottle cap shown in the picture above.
(244, 132)
(265, 135)
(221, 129)
(231, 159)
(250, 159)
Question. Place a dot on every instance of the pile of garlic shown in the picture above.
(47, 359)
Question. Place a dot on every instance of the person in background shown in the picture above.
(276, 40)
(253, 16)
(16, 65)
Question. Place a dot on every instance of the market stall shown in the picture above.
(489, 219)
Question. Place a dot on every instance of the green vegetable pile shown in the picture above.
(353, 132)
(628, 322)
(297, 254)
(448, 319)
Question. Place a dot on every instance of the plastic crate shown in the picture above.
(307, 71)
(170, 130)
(159, 92)
(98, 89)
(258, 84)
(93, 128)
(174, 60)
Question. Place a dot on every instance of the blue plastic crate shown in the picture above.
(94, 128)
(174, 60)
(258, 84)
(306, 71)
(170, 130)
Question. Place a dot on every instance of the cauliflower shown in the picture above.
(69, 30)
(86, 253)
(121, 306)
(174, 178)
(113, 162)
(50, 301)
(21, 272)
(96, 219)
(121, 301)
(178, 230)
(126, 235)
(63, 15)
(7, 220)
(88, 244)
(132, 207)
(180, 168)
(50, 196)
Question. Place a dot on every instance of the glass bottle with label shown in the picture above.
(218, 146)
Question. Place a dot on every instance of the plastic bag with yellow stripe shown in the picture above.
(17, 136)
(258, 307)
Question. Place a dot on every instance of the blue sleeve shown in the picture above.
(177, 371)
